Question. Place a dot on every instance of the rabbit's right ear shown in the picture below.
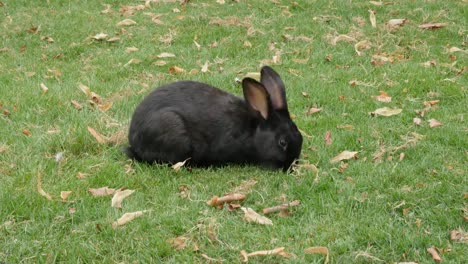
(256, 96)
(275, 87)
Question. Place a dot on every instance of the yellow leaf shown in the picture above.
(39, 188)
(105, 107)
(99, 137)
(372, 18)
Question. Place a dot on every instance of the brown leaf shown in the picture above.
(313, 110)
(178, 243)
(113, 39)
(85, 89)
(428, 64)
(432, 25)
(328, 138)
(126, 22)
(386, 111)
(417, 121)
(26, 132)
(281, 207)
(362, 45)
(253, 217)
(64, 195)
(98, 136)
(179, 165)
(76, 104)
(345, 155)
(106, 106)
(372, 18)
(39, 187)
(103, 191)
(81, 175)
(118, 197)
(127, 217)
(44, 88)
(277, 251)
(100, 36)
(131, 49)
(176, 70)
(319, 250)
(434, 254)
(396, 22)
(458, 236)
(217, 201)
(434, 123)
(383, 97)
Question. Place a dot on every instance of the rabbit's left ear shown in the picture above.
(275, 87)
(256, 96)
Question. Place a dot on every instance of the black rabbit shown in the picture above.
(194, 120)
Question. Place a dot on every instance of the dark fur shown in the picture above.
(194, 120)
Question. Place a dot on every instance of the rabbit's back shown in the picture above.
(189, 119)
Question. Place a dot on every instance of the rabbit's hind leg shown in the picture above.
(163, 138)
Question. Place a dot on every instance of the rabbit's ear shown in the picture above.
(256, 96)
(275, 87)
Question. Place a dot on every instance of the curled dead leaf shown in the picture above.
(253, 217)
(383, 97)
(458, 236)
(176, 70)
(328, 138)
(100, 36)
(362, 45)
(126, 22)
(277, 251)
(386, 111)
(44, 88)
(118, 197)
(103, 191)
(217, 201)
(39, 187)
(76, 104)
(64, 195)
(372, 18)
(417, 121)
(313, 110)
(127, 217)
(319, 250)
(98, 136)
(434, 123)
(434, 254)
(344, 155)
(178, 243)
(396, 22)
(432, 25)
(179, 165)
(281, 207)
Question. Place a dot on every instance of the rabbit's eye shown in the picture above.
(282, 143)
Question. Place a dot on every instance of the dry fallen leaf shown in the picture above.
(118, 197)
(165, 55)
(397, 22)
(277, 251)
(345, 155)
(76, 104)
(103, 191)
(44, 88)
(178, 243)
(386, 111)
(99, 36)
(64, 195)
(205, 67)
(372, 18)
(434, 254)
(319, 250)
(383, 97)
(179, 165)
(281, 207)
(458, 236)
(434, 123)
(313, 110)
(106, 106)
(328, 138)
(126, 22)
(26, 132)
(81, 175)
(417, 121)
(217, 201)
(98, 136)
(127, 217)
(362, 45)
(39, 187)
(176, 70)
(432, 25)
(251, 216)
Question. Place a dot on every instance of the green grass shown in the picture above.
(390, 210)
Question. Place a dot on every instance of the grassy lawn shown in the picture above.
(403, 192)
